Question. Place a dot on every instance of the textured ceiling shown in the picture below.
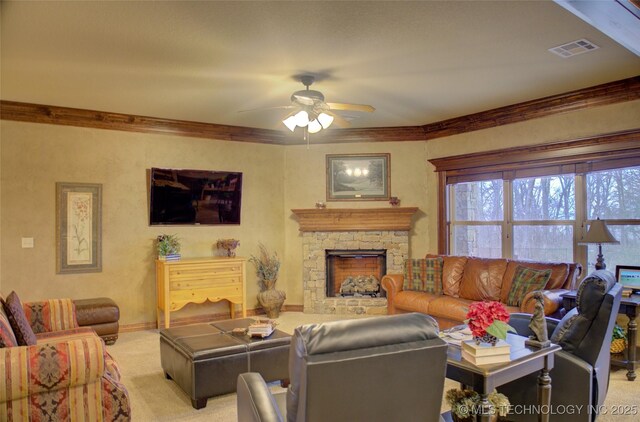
(415, 62)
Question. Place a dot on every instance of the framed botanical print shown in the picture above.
(78, 227)
(358, 177)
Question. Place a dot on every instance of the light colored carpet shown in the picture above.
(154, 398)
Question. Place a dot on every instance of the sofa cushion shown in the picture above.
(7, 338)
(482, 278)
(526, 280)
(453, 308)
(423, 275)
(411, 301)
(452, 271)
(50, 315)
(559, 274)
(65, 335)
(21, 328)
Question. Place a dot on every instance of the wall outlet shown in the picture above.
(27, 242)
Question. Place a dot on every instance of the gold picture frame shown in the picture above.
(358, 177)
(78, 228)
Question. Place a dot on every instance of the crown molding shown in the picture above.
(595, 96)
(609, 93)
(38, 113)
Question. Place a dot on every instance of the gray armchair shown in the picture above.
(373, 369)
(580, 377)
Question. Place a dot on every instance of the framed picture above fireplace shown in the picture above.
(358, 177)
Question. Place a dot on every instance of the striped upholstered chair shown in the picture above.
(66, 375)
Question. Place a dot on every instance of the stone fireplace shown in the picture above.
(358, 232)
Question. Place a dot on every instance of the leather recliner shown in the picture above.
(580, 377)
(374, 369)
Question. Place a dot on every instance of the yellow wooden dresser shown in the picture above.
(196, 280)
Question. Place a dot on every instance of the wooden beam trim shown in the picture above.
(619, 144)
(599, 95)
(610, 93)
(36, 113)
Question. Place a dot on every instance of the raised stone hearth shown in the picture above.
(322, 236)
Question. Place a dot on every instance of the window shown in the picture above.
(536, 202)
(477, 218)
(614, 196)
(543, 212)
(540, 221)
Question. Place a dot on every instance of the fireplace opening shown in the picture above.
(355, 272)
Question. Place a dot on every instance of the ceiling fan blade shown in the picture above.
(267, 108)
(337, 119)
(354, 107)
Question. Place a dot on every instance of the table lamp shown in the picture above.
(598, 233)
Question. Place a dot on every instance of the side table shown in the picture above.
(629, 307)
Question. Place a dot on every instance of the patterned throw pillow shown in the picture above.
(424, 275)
(526, 280)
(21, 328)
(7, 338)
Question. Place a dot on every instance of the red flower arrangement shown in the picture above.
(488, 318)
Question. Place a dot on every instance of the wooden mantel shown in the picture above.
(351, 219)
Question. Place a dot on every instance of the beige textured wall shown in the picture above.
(35, 156)
(305, 184)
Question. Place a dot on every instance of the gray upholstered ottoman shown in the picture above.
(206, 359)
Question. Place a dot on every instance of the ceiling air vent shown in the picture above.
(574, 48)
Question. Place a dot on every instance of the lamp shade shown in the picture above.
(302, 118)
(325, 120)
(598, 233)
(314, 126)
(290, 122)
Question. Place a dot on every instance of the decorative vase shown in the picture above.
(486, 338)
(271, 301)
(231, 252)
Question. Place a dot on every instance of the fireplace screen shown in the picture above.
(355, 272)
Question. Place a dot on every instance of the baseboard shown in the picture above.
(197, 319)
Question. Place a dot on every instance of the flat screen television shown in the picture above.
(194, 197)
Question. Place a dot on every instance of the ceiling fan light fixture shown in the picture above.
(314, 126)
(325, 120)
(302, 118)
(290, 122)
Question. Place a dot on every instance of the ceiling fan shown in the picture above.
(311, 112)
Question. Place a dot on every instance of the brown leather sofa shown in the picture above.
(469, 279)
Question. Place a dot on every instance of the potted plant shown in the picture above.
(618, 340)
(465, 405)
(267, 267)
(168, 246)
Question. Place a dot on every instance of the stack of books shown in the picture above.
(261, 328)
(486, 354)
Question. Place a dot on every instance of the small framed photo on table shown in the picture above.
(629, 277)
